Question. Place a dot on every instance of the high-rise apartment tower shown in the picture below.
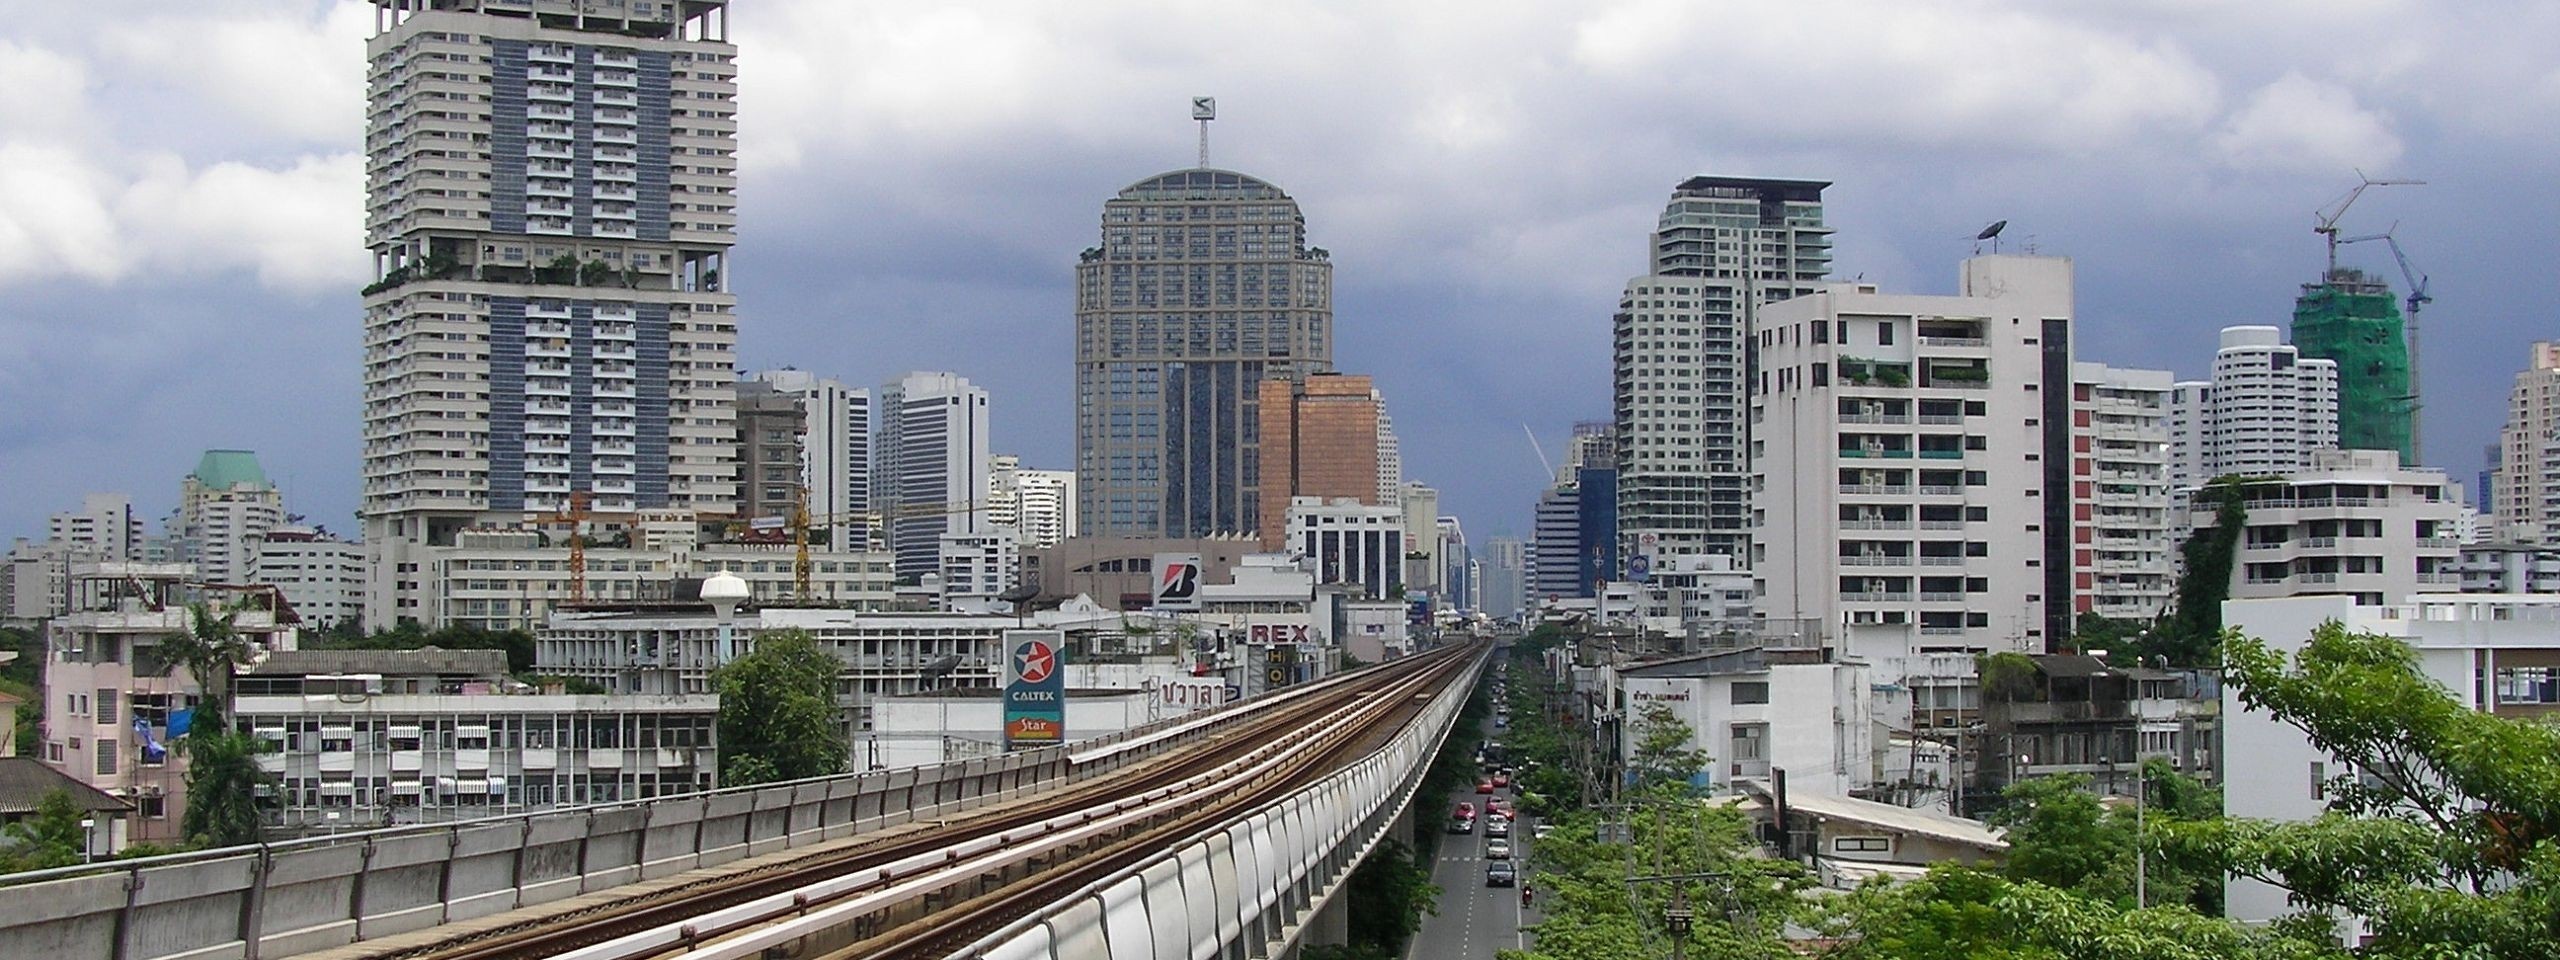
(1204, 286)
(549, 208)
(1683, 355)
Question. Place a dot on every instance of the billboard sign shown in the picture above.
(1177, 581)
(1182, 695)
(1279, 662)
(1035, 688)
(1278, 633)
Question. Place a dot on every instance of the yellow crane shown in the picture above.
(802, 519)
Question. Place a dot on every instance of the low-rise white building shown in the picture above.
(2497, 653)
(320, 575)
(2509, 568)
(1757, 709)
(363, 738)
(511, 579)
(1344, 541)
(2355, 523)
(979, 566)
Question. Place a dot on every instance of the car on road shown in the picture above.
(1540, 831)
(1501, 779)
(1461, 825)
(1500, 873)
(1484, 786)
(1497, 827)
(1465, 811)
(1497, 849)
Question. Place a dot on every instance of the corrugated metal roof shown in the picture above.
(24, 781)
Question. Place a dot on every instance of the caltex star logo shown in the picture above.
(1033, 661)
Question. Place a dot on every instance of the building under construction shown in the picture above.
(2351, 318)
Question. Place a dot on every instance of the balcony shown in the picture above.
(1942, 524)
(1874, 453)
(1875, 418)
(1875, 489)
(1930, 596)
(1877, 596)
(1942, 561)
(1875, 561)
(1938, 490)
(1958, 342)
(1875, 524)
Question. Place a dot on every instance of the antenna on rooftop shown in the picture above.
(1204, 109)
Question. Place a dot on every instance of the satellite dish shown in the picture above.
(1020, 594)
(1992, 231)
(940, 668)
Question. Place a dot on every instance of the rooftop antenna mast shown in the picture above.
(2328, 215)
(1204, 109)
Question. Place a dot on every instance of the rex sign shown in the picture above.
(1035, 688)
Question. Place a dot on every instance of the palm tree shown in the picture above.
(223, 784)
(212, 650)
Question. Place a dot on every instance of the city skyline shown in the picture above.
(185, 239)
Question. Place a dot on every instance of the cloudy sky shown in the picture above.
(180, 193)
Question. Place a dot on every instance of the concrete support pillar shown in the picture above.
(1331, 926)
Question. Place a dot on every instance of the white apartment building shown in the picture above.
(1801, 710)
(1723, 247)
(104, 528)
(835, 454)
(549, 206)
(509, 579)
(2125, 554)
(321, 576)
(1344, 541)
(224, 508)
(2263, 413)
(980, 566)
(930, 465)
(371, 738)
(2526, 493)
(2509, 568)
(35, 576)
(2354, 524)
(1038, 505)
(2494, 653)
(112, 697)
(1912, 459)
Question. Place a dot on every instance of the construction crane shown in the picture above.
(574, 515)
(2418, 297)
(802, 519)
(2329, 215)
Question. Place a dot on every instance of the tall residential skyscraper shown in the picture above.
(1204, 285)
(550, 210)
(2125, 564)
(1319, 439)
(931, 468)
(2350, 317)
(2266, 409)
(835, 452)
(1916, 461)
(1683, 357)
(2525, 496)
(224, 508)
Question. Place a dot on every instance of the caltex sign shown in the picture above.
(1035, 688)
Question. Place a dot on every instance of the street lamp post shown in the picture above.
(88, 838)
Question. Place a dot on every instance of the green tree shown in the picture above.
(2195, 622)
(50, 837)
(2443, 827)
(212, 650)
(778, 712)
(2060, 836)
(1662, 754)
(1606, 900)
(1389, 894)
(1958, 913)
(224, 781)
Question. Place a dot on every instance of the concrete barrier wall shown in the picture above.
(1252, 888)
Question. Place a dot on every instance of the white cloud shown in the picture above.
(299, 77)
(2299, 124)
(300, 228)
(40, 90)
(54, 216)
(63, 214)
